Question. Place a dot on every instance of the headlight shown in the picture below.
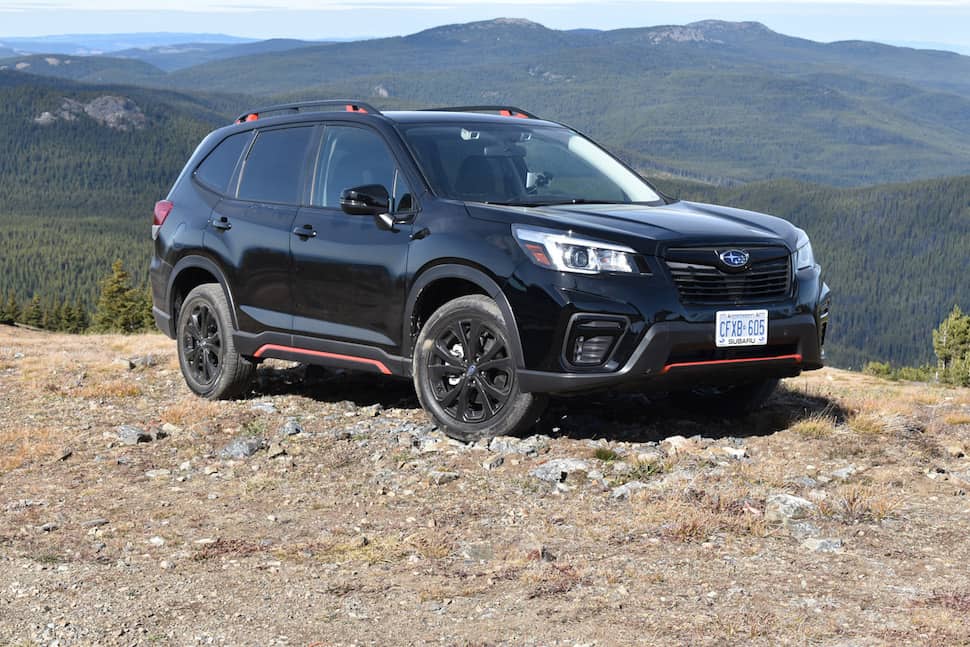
(557, 251)
(804, 257)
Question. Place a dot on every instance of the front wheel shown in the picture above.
(207, 355)
(464, 372)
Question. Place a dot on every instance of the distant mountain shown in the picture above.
(81, 44)
(182, 55)
(89, 69)
(724, 102)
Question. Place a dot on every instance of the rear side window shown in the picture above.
(273, 172)
(217, 168)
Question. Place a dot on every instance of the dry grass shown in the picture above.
(191, 411)
(819, 425)
(21, 445)
(112, 388)
(957, 419)
(867, 423)
(856, 503)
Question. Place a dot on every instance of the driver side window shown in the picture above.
(351, 157)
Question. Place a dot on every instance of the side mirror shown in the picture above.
(367, 200)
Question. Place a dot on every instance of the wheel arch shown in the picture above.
(189, 273)
(441, 283)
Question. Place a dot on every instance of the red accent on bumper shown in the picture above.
(796, 357)
(316, 353)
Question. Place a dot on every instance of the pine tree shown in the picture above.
(10, 310)
(951, 342)
(34, 313)
(120, 307)
(51, 318)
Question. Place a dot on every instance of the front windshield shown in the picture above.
(521, 164)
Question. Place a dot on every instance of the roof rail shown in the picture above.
(505, 111)
(349, 105)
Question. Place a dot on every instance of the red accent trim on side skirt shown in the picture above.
(316, 353)
(714, 362)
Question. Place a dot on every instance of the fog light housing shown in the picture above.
(590, 340)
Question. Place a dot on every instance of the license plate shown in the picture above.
(741, 328)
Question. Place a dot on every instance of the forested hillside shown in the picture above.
(76, 194)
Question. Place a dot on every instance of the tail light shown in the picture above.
(162, 209)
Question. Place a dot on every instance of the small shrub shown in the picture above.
(606, 454)
(817, 425)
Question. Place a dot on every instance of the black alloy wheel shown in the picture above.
(207, 354)
(470, 371)
(202, 345)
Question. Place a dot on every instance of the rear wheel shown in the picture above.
(464, 372)
(726, 401)
(207, 355)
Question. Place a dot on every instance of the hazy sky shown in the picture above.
(893, 21)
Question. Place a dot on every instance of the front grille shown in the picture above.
(700, 278)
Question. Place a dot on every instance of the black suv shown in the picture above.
(491, 256)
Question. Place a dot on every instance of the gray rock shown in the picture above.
(275, 450)
(503, 444)
(264, 407)
(845, 472)
(158, 474)
(494, 462)
(95, 523)
(558, 469)
(291, 428)
(820, 545)
(478, 552)
(803, 529)
(736, 453)
(624, 491)
(785, 507)
(50, 526)
(371, 411)
(533, 445)
(440, 478)
(130, 435)
(240, 448)
(144, 361)
(806, 482)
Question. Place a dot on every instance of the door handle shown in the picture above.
(222, 223)
(306, 231)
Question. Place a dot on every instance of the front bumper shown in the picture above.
(675, 355)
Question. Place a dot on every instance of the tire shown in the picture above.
(477, 398)
(731, 401)
(207, 355)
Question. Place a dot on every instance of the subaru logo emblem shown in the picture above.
(734, 258)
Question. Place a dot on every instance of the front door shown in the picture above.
(349, 272)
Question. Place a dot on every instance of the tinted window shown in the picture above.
(216, 169)
(274, 168)
(352, 157)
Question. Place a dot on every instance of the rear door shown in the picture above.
(349, 273)
(250, 231)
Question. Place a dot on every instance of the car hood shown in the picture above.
(649, 229)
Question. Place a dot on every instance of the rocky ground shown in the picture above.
(327, 510)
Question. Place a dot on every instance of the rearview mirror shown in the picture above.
(367, 200)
